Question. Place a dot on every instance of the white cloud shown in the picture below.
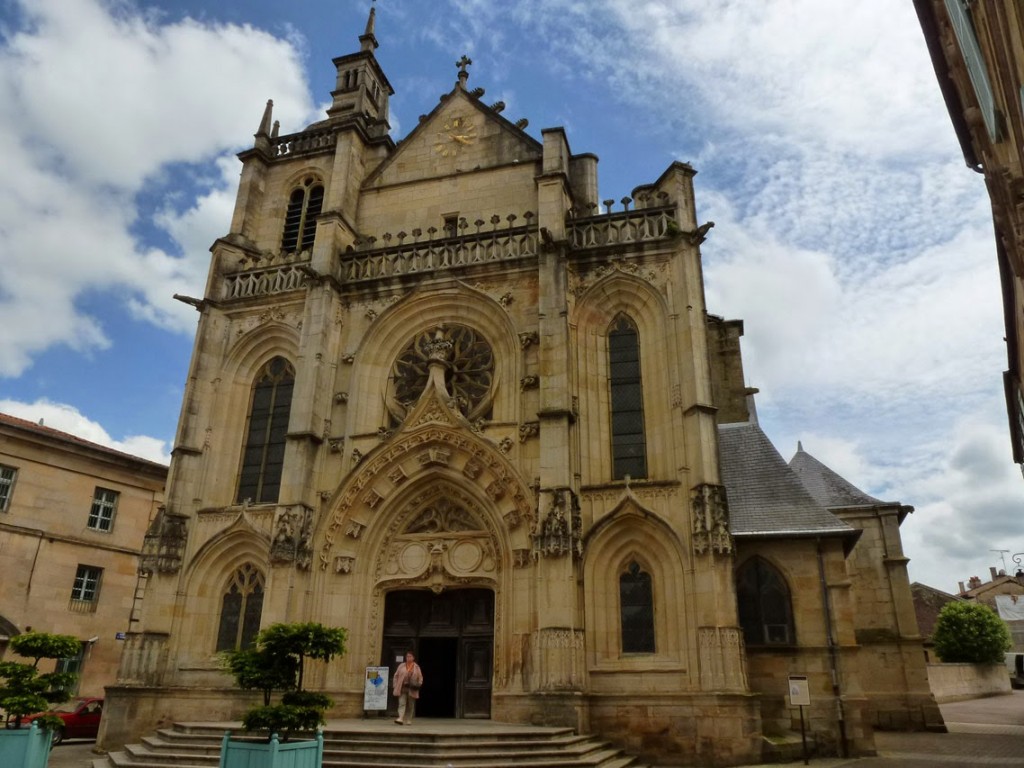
(67, 418)
(90, 126)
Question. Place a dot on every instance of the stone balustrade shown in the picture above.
(418, 257)
(300, 143)
(643, 225)
(263, 282)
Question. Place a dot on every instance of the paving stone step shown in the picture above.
(377, 744)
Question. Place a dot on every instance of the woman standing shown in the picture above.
(408, 681)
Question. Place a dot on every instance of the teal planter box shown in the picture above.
(25, 747)
(272, 754)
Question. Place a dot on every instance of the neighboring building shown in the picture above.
(928, 603)
(977, 49)
(1004, 595)
(72, 519)
(441, 399)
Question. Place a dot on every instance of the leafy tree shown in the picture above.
(24, 690)
(277, 661)
(971, 633)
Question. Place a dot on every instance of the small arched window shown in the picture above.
(241, 609)
(263, 456)
(629, 444)
(636, 606)
(304, 206)
(765, 606)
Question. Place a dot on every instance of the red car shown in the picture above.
(81, 719)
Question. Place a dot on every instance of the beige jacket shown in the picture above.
(403, 676)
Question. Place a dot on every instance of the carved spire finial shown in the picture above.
(462, 63)
(368, 39)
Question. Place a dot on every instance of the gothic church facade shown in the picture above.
(444, 398)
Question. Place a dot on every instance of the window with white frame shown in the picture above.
(104, 504)
(7, 475)
(87, 584)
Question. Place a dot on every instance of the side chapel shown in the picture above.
(443, 396)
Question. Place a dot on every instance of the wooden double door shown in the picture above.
(452, 635)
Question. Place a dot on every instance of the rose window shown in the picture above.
(469, 370)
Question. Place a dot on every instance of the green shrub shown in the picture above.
(276, 662)
(24, 690)
(969, 632)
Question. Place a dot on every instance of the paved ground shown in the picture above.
(983, 733)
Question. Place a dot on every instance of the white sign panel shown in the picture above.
(375, 690)
(799, 691)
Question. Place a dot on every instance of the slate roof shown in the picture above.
(766, 498)
(828, 488)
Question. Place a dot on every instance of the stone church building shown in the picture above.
(444, 396)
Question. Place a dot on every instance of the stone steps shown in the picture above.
(379, 744)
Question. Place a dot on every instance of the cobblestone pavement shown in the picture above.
(983, 733)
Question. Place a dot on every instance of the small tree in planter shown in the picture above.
(24, 690)
(277, 661)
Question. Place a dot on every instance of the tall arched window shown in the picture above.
(241, 609)
(263, 457)
(304, 206)
(765, 606)
(629, 445)
(636, 606)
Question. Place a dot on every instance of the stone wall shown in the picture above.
(957, 682)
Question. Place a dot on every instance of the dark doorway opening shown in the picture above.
(438, 658)
(452, 635)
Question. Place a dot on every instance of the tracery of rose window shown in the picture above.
(469, 373)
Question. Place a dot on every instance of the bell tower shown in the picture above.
(361, 91)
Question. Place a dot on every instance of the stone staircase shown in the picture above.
(382, 744)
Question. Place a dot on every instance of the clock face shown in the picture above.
(457, 132)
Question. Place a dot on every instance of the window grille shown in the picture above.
(241, 609)
(263, 455)
(629, 443)
(7, 475)
(87, 584)
(104, 504)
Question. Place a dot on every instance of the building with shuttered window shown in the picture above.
(443, 396)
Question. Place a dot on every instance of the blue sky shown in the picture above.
(850, 237)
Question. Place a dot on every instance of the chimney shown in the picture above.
(992, 570)
(973, 582)
(961, 585)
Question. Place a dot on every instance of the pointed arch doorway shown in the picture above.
(452, 635)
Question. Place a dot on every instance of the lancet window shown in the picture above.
(765, 604)
(241, 609)
(263, 455)
(629, 443)
(304, 206)
(636, 605)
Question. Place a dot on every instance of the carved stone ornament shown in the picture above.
(293, 534)
(529, 338)
(505, 444)
(529, 382)
(560, 532)
(164, 543)
(710, 511)
(343, 564)
(528, 430)
(355, 529)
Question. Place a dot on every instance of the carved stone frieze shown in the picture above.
(710, 510)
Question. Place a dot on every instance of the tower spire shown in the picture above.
(367, 40)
